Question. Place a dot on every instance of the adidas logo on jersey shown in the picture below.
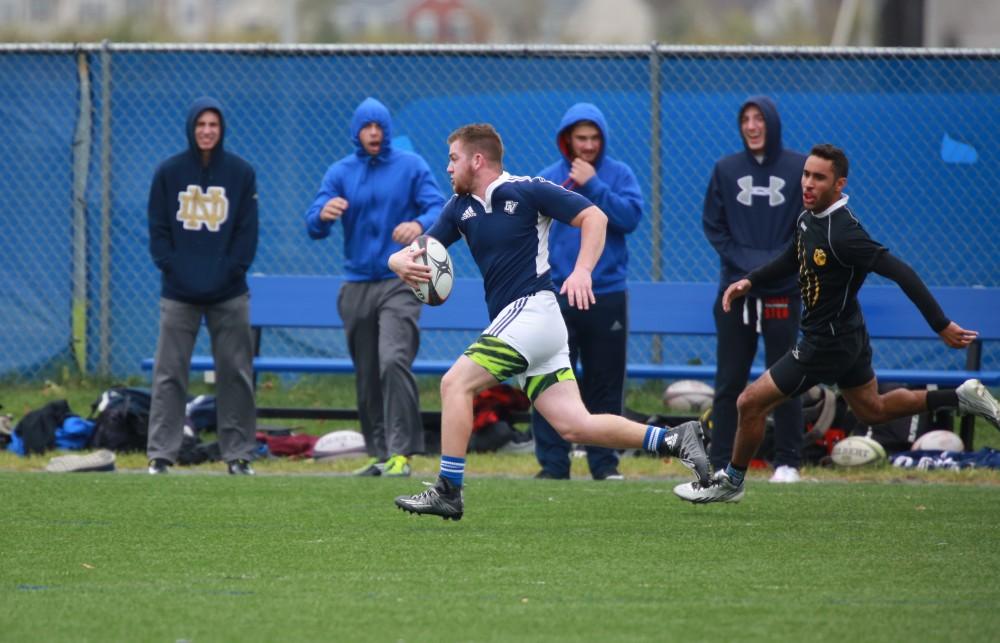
(468, 214)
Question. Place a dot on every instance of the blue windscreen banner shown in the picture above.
(921, 129)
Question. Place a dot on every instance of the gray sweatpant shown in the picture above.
(381, 323)
(232, 348)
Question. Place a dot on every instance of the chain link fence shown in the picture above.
(85, 126)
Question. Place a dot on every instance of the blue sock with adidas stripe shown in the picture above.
(654, 438)
(453, 469)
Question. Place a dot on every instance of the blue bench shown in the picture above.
(664, 308)
(657, 308)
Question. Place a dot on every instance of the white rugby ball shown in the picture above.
(688, 395)
(435, 291)
(857, 451)
(939, 440)
(339, 444)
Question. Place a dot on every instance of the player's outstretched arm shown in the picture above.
(957, 337)
(907, 279)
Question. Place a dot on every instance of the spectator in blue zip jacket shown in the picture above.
(598, 336)
(203, 238)
(384, 198)
(752, 202)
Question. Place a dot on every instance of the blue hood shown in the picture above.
(372, 111)
(575, 114)
(772, 138)
(197, 107)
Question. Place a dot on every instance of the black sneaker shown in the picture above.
(611, 474)
(686, 442)
(159, 466)
(545, 475)
(240, 468)
(439, 499)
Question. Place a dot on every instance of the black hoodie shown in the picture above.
(203, 219)
(751, 207)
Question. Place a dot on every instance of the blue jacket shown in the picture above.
(614, 189)
(751, 207)
(382, 191)
(203, 220)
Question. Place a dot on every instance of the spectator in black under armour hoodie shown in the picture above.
(203, 238)
(753, 200)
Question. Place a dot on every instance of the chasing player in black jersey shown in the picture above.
(833, 254)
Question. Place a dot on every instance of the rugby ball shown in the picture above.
(688, 395)
(857, 451)
(939, 440)
(339, 444)
(435, 291)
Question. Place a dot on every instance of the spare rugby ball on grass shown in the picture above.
(857, 451)
(939, 440)
(688, 395)
(435, 291)
(339, 444)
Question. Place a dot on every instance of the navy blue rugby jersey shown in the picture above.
(508, 233)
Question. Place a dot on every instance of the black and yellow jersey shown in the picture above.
(833, 254)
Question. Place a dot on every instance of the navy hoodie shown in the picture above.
(203, 219)
(382, 191)
(614, 189)
(751, 207)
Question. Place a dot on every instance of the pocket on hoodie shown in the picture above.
(199, 275)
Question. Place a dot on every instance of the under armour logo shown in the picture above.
(748, 190)
(199, 209)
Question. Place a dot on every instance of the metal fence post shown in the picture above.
(104, 365)
(82, 140)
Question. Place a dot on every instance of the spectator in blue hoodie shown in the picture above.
(203, 238)
(598, 336)
(751, 205)
(385, 199)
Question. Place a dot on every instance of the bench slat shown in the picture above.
(636, 371)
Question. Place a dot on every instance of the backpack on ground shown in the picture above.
(121, 419)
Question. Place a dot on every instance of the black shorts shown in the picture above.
(845, 361)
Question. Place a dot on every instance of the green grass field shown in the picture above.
(130, 557)
(304, 552)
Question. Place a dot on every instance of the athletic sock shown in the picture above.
(942, 399)
(453, 469)
(654, 438)
(736, 474)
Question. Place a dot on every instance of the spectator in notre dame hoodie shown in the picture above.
(753, 200)
(203, 238)
(384, 198)
(598, 336)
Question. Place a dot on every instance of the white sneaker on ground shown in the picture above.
(786, 474)
(719, 489)
(102, 460)
(975, 399)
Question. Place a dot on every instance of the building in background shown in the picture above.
(935, 23)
